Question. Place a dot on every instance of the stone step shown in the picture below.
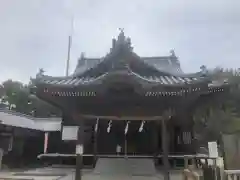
(130, 166)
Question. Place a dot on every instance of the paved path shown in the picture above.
(50, 173)
(64, 173)
(47, 173)
(126, 166)
(92, 176)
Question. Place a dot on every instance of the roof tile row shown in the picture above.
(165, 80)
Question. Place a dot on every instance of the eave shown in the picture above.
(145, 86)
(163, 80)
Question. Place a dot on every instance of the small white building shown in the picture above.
(24, 137)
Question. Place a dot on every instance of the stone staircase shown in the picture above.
(125, 166)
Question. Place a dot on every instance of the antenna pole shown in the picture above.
(69, 46)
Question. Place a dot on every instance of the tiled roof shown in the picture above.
(122, 45)
(85, 64)
(164, 80)
(163, 63)
(11, 118)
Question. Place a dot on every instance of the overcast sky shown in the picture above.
(34, 33)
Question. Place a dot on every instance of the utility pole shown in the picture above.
(69, 46)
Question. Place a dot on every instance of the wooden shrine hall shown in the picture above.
(130, 105)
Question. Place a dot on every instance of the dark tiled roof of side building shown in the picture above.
(162, 63)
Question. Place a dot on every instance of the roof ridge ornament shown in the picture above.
(172, 52)
(121, 37)
(204, 70)
(40, 73)
(82, 56)
(122, 41)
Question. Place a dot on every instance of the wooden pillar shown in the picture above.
(155, 142)
(172, 135)
(165, 149)
(1, 156)
(79, 152)
(125, 146)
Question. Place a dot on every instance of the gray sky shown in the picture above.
(33, 33)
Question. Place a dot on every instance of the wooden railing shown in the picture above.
(199, 161)
(202, 167)
(191, 174)
(196, 167)
(232, 174)
(185, 157)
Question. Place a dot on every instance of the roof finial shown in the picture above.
(172, 52)
(82, 55)
(121, 30)
(203, 69)
(40, 73)
(121, 36)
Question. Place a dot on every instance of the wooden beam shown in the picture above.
(121, 118)
(165, 115)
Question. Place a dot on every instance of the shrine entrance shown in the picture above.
(139, 139)
(126, 138)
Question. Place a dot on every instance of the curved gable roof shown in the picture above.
(166, 64)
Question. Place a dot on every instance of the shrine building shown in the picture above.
(126, 105)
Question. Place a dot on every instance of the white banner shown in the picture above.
(69, 133)
(79, 149)
(213, 149)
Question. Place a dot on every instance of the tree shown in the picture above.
(16, 96)
(212, 118)
(13, 94)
